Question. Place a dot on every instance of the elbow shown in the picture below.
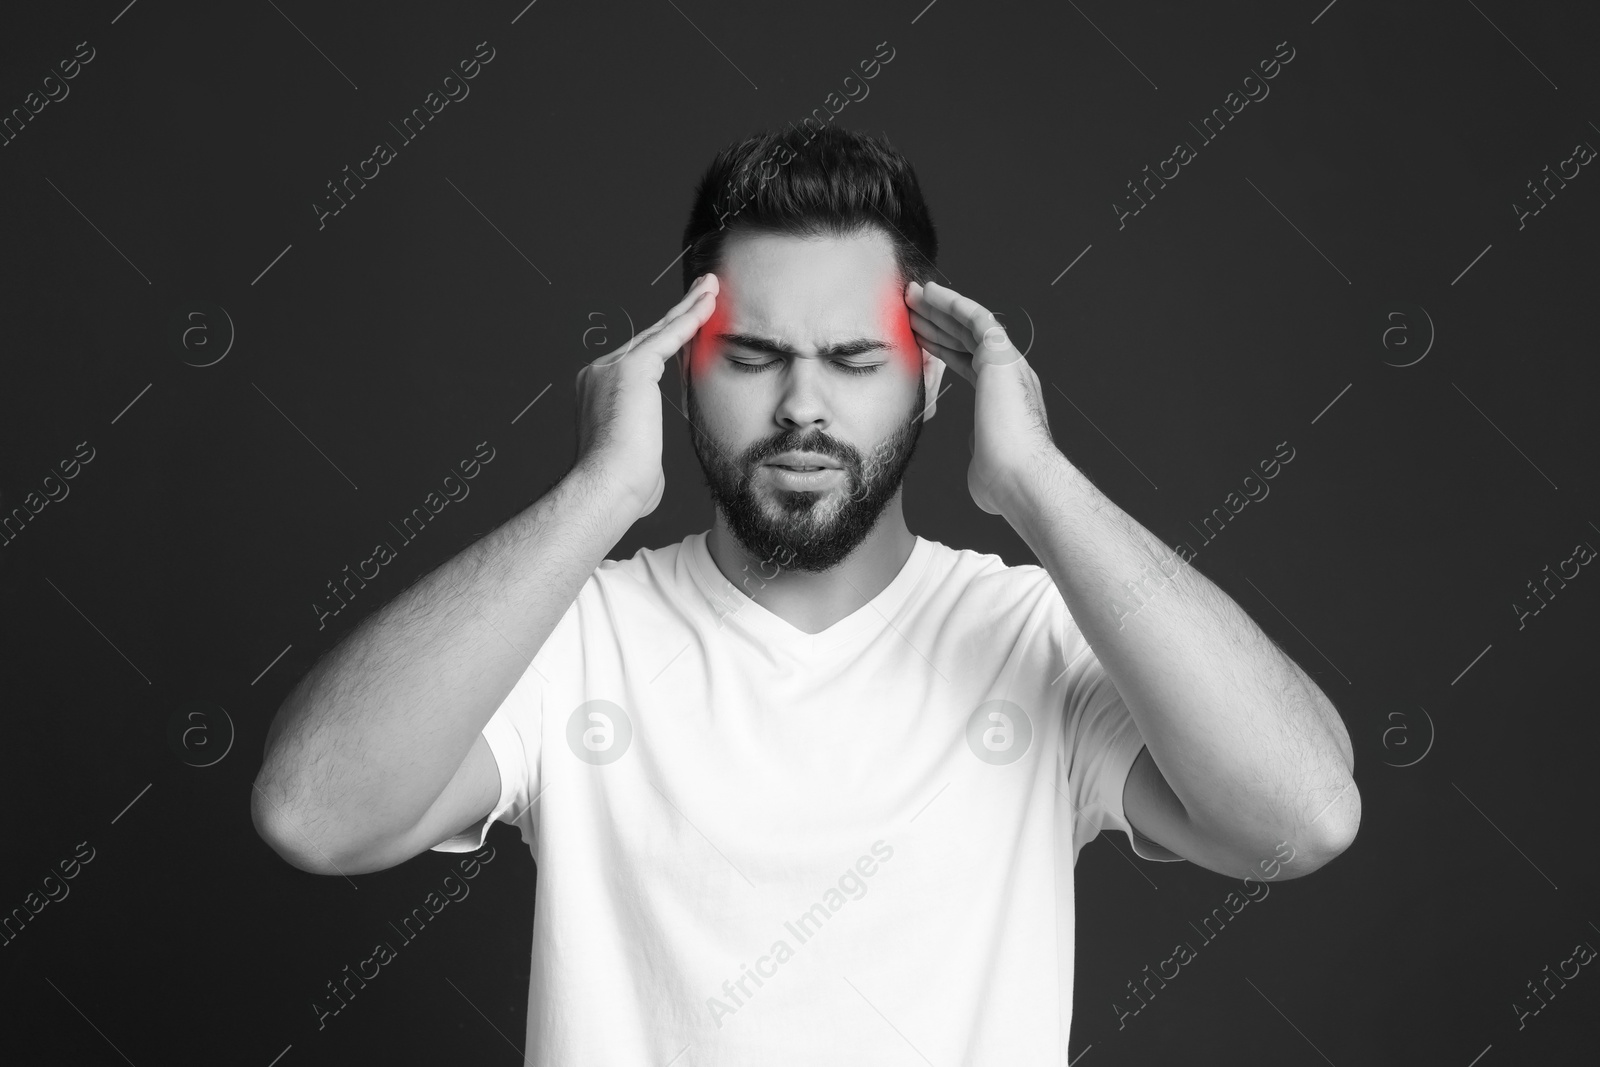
(1299, 847)
(309, 843)
(1344, 820)
(278, 818)
(1333, 831)
(285, 834)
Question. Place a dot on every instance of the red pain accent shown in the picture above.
(894, 319)
(703, 346)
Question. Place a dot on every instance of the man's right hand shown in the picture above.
(619, 403)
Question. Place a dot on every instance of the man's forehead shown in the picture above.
(808, 290)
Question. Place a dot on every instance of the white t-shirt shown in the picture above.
(761, 846)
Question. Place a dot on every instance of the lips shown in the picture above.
(803, 461)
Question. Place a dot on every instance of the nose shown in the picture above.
(802, 402)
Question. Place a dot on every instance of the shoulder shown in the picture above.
(620, 603)
(966, 562)
(653, 580)
(986, 570)
(1018, 599)
(657, 565)
(984, 584)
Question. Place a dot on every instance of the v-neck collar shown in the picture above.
(740, 610)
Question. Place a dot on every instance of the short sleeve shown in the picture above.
(513, 735)
(1100, 742)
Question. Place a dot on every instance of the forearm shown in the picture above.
(1249, 744)
(373, 733)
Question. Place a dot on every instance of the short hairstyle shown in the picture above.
(827, 182)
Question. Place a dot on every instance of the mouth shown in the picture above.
(803, 462)
(812, 477)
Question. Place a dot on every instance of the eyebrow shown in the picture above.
(766, 344)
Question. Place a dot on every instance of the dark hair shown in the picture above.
(830, 181)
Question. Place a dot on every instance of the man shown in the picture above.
(807, 788)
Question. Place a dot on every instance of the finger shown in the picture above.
(957, 358)
(700, 296)
(936, 310)
(967, 318)
(705, 283)
(663, 339)
(963, 309)
(926, 327)
(961, 315)
(677, 332)
(953, 355)
(701, 284)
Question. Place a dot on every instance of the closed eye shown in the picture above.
(848, 368)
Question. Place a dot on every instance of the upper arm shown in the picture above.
(1157, 815)
(468, 798)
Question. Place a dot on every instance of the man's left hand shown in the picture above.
(1011, 434)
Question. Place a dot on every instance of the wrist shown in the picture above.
(609, 500)
(1036, 485)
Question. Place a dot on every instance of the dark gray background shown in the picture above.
(1176, 353)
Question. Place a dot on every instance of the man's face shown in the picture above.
(809, 350)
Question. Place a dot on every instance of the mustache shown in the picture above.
(822, 446)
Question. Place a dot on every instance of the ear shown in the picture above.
(932, 375)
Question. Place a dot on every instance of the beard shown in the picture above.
(805, 530)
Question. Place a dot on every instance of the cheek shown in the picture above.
(894, 319)
(703, 347)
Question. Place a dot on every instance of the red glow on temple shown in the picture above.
(894, 326)
(894, 320)
(704, 345)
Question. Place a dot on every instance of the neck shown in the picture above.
(813, 602)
